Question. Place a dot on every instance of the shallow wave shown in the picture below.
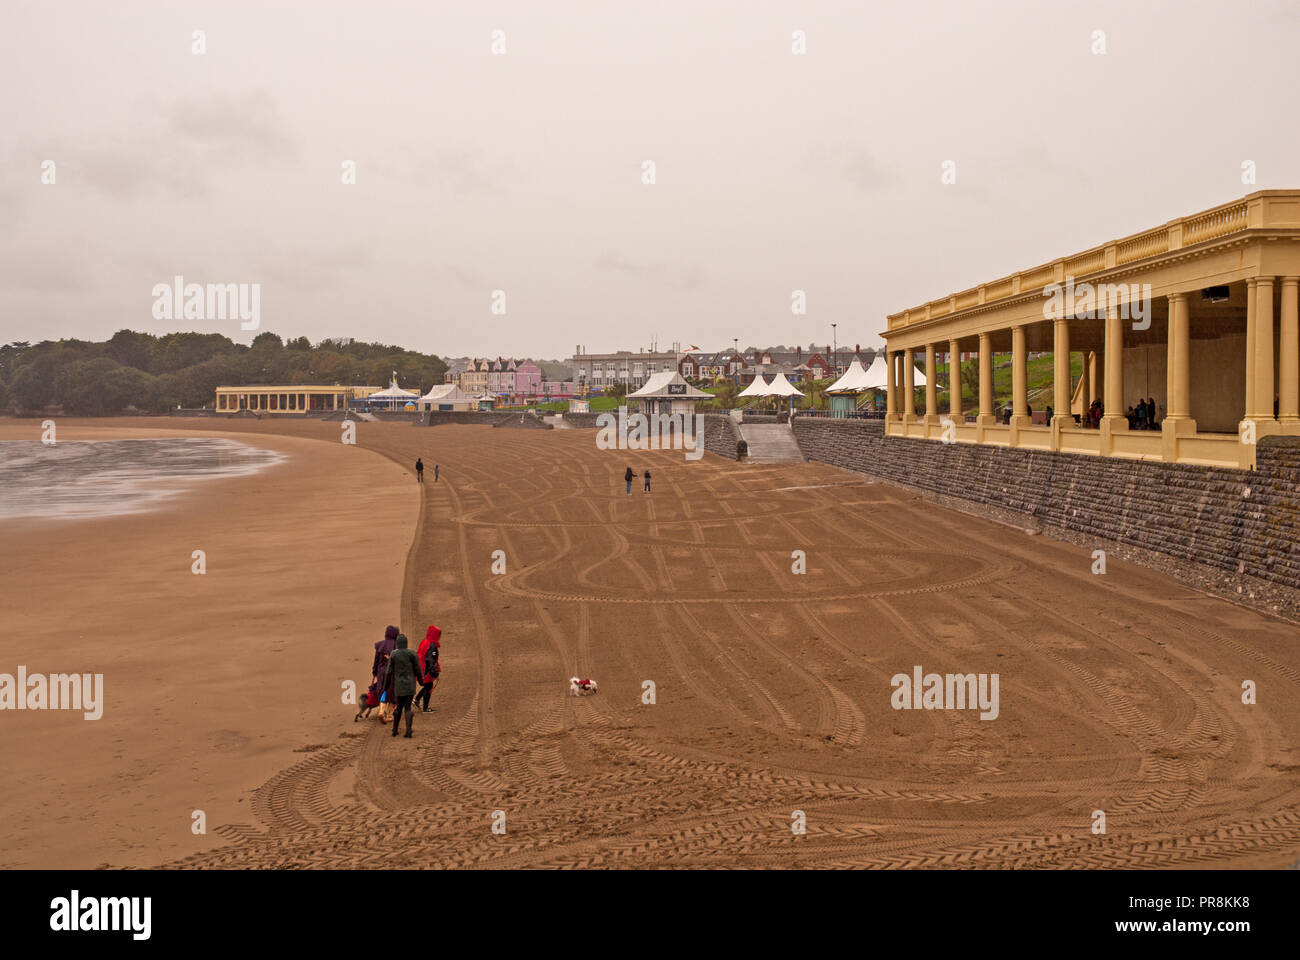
(105, 478)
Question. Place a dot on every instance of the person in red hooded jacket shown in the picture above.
(430, 648)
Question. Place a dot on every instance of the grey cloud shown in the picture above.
(659, 274)
(247, 125)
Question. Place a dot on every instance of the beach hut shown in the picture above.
(668, 392)
(856, 380)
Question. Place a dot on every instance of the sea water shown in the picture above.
(82, 479)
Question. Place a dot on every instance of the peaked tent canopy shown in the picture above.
(658, 386)
(781, 387)
(854, 379)
(394, 392)
(447, 393)
(758, 388)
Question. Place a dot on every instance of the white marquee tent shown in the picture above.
(394, 396)
(448, 396)
(874, 377)
(856, 379)
(781, 387)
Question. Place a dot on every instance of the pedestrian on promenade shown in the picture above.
(628, 477)
(419, 471)
(647, 481)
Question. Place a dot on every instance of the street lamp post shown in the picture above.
(735, 370)
(835, 350)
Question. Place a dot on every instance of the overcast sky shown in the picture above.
(523, 172)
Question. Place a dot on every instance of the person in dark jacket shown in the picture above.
(379, 669)
(403, 680)
(647, 481)
(430, 649)
(629, 477)
(419, 470)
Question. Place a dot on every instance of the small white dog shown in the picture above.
(578, 688)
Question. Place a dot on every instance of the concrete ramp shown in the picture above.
(770, 442)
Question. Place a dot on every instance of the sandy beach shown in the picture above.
(772, 690)
(212, 683)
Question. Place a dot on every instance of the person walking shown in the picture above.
(435, 473)
(419, 471)
(628, 477)
(647, 481)
(404, 678)
(430, 649)
(379, 669)
(1151, 413)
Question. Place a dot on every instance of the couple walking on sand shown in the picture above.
(419, 471)
(400, 675)
(629, 476)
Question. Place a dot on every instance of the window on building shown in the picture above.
(293, 401)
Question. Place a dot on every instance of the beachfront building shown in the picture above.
(1202, 314)
(600, 371)
(455, 367)
(508, 379)
(474, 378)
(558, 389)
(292, 398)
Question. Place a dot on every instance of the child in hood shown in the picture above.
(430, 649)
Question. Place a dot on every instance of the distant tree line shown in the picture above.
(152, 374)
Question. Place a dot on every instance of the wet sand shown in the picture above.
(211, 683)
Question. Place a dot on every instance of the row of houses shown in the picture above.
(507, 379)
(598, 372)
(511, 380)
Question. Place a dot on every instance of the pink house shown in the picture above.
(527, 378)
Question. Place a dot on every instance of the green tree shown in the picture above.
(727, 395)
(30, 391)
(131, 349)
